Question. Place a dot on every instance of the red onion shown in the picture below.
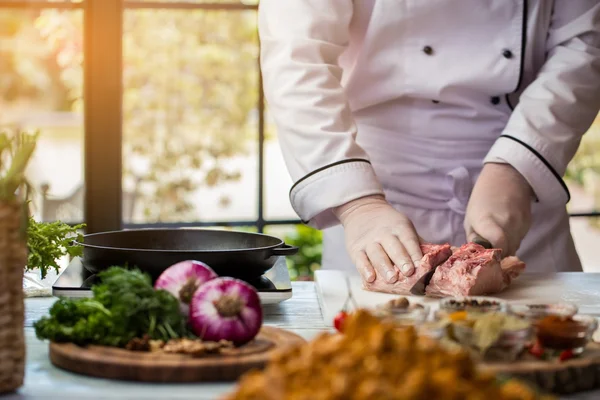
(182, 280)
(226, 308)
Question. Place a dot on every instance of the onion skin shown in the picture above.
(182, 280)
(226, 309)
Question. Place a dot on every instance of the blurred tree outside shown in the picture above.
(190, 93)
(584, 170)
(34, 71)
(309, 241)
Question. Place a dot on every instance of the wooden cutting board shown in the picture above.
(571, 376)
(116, 363)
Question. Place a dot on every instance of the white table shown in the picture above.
(300, 314)
(582, 289)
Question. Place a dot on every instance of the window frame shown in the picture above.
(103, 112)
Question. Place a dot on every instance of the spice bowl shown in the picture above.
(493, 336)
(418, 318)
(507, 347)
(472, 303)
(510, 345)
(433, 329)
(415, 314)
(565, 332)
(535, 312)
(464, 333)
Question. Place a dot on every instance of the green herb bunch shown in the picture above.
(46, 242)
(49, 241)
(124, 306)
(15, 153)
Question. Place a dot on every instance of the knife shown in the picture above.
(418, 288)
(482, 242)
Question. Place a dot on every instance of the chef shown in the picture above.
(405, 121)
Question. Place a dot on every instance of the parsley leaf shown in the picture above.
(49, 241)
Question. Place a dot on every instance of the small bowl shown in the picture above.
(535, 312)
(445, 315)
(471, 303)
(507, 348)
(412, 315)
(464, 333)
(574, 336)
(432, 329)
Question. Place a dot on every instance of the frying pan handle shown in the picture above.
(284, 250)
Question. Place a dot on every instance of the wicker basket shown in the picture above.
(13, 257)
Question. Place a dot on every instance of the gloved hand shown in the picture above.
(499, 209)
(380, 240)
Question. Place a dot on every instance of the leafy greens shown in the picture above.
(49, 241)
(124, 306)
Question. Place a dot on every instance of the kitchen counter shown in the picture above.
(301, 314)
(582, 289)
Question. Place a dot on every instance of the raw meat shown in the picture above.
(512, 267)
(433, 255)
(473, 270)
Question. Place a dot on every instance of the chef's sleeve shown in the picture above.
(558, 107)
(301, 42)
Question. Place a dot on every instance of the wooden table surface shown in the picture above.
(300, 314)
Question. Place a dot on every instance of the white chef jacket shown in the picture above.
(410, 98)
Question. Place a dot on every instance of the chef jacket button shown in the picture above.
(507, 53)
(428, 50)
(495, 100)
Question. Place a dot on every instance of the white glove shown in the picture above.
(379, 239)
(499, 209)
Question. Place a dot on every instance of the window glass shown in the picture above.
(583, 179)
(276, 177)
(41, 88)
(190, 126)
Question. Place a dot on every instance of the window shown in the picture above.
(41, 82)
(191, 115)
(174, 115)
(583, 179)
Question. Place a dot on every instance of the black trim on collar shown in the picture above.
(316, 171)
(544, 161)
(507, 97)
(523, 44)
(523, 49)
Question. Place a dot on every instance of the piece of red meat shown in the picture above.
(433, 255)
(512, 267)
(473, 270)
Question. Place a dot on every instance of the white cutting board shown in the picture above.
(580, 288)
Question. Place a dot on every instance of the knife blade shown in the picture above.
(482, 242)
(418, 288)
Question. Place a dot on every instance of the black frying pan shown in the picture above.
(228, 253)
